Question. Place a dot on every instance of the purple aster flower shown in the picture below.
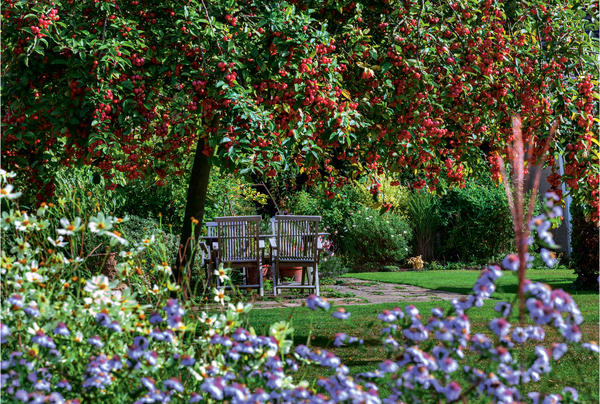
(151, 357)
(96, 342)
(292, 364)
(519, 335)
(389, 340)
(313, 302)
(214, 387)
(43, 340)
(42, 385)
(64, 384)
(330, 360)
(21, 395)
(571, 333)
(187, 360)
(16, 301)
(504, 308)
(156, 318)
(240, 335)
(61, 329)
(388, 366)
(511, 262)
(115, 326)
(548, 257)
(444, 334)
(551, 197)
(157, 334)
(570, 391)
(500, 327)
(141, 342)
(416, 332)
(590, 347)
(4, 333)
(115, 362)
(169, 336)
(556, 211)
(102, 319)
(448, 365)
(148, 383)
(463, 304)
(172, 308)
(341, 314)
(452, 391)
(173, 384)
(55, 398)
(437, 312)
(303, 351)
(135, 353)
(387, 316)
(536, 333)
(175, 322)
(195, 398)
(340, 338)
(412, 311)
(32, 311)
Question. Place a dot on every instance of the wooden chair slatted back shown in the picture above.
(296, 237)
(238, 238)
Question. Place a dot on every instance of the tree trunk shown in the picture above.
(194, 209)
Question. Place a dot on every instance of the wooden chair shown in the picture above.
(296, 243)
(238, 245)
(207, 249)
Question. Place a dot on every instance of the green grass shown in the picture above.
(578, 368)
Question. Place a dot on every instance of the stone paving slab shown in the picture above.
(361, 292)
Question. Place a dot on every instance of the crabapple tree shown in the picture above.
(330, 89)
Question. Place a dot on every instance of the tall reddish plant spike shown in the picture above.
(516, 194)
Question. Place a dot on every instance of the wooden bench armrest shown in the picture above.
(204, 247)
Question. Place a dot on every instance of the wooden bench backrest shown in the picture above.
(296, 237)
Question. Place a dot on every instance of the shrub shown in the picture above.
(231, 195)
(334, 212)
(476, 223)
(424, 215)
(332, 267)
(374, 238)
(584, 252)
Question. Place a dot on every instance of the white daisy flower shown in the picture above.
(222, 273)
(163, 267)
(100, 223)
(34, 277)
(69, 227)
(6, 192)
(220, 296)
(116, 236)
(5, 174)
(59, 242)
(97, 283)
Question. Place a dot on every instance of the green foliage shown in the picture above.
(476, 223)
(374, 238)
(424, 214)
(81, 190)
(145, 199)
(332, 267)
(334, 211)
(584, 253)
(231, 195)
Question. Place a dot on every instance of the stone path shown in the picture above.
(358, 292)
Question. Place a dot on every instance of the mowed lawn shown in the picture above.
(578, 368)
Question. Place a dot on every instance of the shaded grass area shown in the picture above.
(578, 368)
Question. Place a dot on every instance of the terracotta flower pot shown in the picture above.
(253, 274)
(288, 272)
